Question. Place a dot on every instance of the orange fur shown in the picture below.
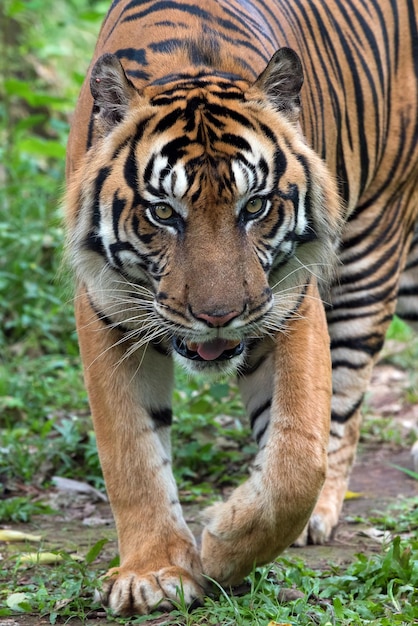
(202, 223)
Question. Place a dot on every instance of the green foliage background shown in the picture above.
(45, 48)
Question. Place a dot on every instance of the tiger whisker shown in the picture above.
(129, 337)
(298, 269)
(308, 267)
(114, 325)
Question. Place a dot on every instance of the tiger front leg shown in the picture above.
(341, 456)
(130, 400)
(287, 394)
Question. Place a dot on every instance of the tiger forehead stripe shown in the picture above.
(243, 177)
(250, 169)
(225, 85)
(162, 179)
(174, 181)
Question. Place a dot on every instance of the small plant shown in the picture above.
(407, 471)
(21, 509)
(211, 441)
(66, 592)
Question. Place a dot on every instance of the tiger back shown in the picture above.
(204, 225)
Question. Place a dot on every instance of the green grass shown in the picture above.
(211, 437)
(381, 589)
(65, 591)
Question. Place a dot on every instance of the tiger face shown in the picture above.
(203, 215)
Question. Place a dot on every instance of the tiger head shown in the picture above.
(200, 213)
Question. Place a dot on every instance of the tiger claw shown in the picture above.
(127, 592)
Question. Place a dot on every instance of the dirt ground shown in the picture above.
(374, 480)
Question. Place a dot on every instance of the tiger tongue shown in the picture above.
(211, 350)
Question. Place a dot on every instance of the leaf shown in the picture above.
(338, 607)
(18, 602)
(94, 552)
(353, 495)
(41, 147)
(24, 89)
(45, 558)
(405, 470)
(16, 535)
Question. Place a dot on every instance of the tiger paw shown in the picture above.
(237, 537)
(127, 592)
(317, 531)
(324, 517)
(228, 545)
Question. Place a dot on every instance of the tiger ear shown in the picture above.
(282, 81)
(112, 92)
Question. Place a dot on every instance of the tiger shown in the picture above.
(241, 200)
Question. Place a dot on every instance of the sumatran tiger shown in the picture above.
(221, 215)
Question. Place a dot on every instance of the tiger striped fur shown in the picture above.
(203, 223)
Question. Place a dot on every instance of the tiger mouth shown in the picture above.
(215, 350)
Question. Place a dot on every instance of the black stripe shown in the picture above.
(413, 262)
(262, 432)
(130, 170)
(268, 132)
(408, 316)
(334, 317)
(250, 24)
(341, 418)
(388, 276)
(368, 344)
(164, 5)
(138, 55)
(115, 250)
(104, 318)
(169, 120)
(236, 141)
(259, 411)
(138, 74)
(89, 142)
(93, 240)
(348, 364)
(371, 239)
(118, 206)
(175, 149)
(222, 111)
(162, 417)
(202, 79)
(408, 291)
(371, 299)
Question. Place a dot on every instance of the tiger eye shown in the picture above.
(254, 205)
(163, 212)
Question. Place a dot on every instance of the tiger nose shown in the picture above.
(215, 319)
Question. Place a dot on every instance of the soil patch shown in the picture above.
(376, 486)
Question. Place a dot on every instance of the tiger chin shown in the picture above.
(202, 227)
